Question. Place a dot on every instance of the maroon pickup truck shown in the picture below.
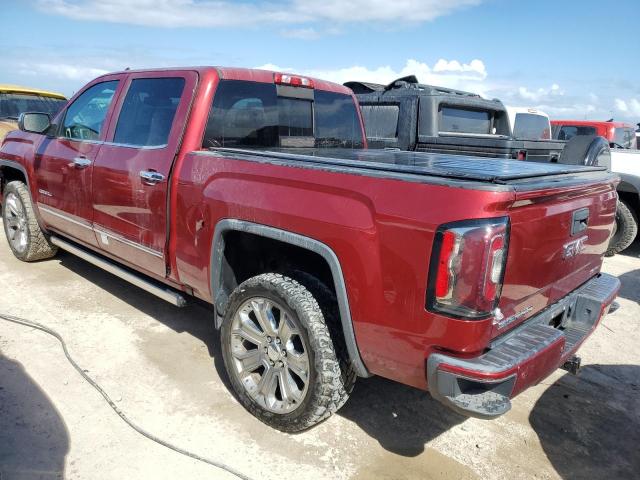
(472, 278)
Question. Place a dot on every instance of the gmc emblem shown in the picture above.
(573, 248)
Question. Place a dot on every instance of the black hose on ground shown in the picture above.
(141, 431)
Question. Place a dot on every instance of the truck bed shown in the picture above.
(435, 165)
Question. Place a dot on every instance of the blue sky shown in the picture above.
(574, 59)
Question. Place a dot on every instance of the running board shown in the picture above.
(162, 292)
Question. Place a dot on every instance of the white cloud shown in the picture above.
(621, 105)
(629, 108)
(445, 73)
(225, 13)
(61, 70)
(301, 33)
(540, 94)
(475, 66)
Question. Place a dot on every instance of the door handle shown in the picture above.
(81, 162)
(151, 177)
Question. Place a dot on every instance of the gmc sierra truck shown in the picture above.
(250, 190)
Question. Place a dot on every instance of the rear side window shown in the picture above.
(625, 137)
(251, 115)
(528, 126)
(459, 120)
(567, 132)
(84, 118)
(381, 121)
(147, 112)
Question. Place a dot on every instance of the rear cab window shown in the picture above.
(381, 121)
(567, 132)
(529, 126)
(249, 114)
(461, 120)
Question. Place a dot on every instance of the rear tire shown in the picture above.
(285, 373)
(24, 235)
(626, 229)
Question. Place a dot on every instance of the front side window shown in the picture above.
(459, 120)
(13, 104)
(248, 114)
(148, 111)
(529, 126)
(84, 118)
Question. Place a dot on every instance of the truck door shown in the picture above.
(64, 163)
(131, 173)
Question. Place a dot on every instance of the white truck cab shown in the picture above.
(529, 123)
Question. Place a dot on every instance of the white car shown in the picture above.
(626, 163)
(529, 123)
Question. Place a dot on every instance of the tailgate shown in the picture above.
(559, 235)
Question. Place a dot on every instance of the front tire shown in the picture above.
(626, 229)
(26, 239)
(279, 354)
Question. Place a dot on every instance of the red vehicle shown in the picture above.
(470, 277)
(618, 134)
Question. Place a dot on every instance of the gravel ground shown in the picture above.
(163, 368)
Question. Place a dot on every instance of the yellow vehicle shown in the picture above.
(15, 100)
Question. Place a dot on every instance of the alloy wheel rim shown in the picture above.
(269, 355)
(16, 223)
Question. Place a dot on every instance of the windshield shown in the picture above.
(13, 104)
(252, 114)
(625, 137)
(529, 126)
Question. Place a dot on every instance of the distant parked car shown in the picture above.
(15, 100)
(529, 123)
(618, 134)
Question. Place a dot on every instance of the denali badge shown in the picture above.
(574, 247)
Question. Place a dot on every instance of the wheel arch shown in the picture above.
(219, 268)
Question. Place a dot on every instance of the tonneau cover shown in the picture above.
(460, 167)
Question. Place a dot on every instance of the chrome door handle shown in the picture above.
(151, 177)
(81, 162)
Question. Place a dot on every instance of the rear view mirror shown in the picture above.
(34, 122)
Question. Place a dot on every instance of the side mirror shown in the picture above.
(34, 122)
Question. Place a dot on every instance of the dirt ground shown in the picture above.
(163, 368)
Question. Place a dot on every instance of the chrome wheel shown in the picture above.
(16, 223)
(270, 358)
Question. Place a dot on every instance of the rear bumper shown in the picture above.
(483, 386)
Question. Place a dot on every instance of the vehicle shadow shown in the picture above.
(632, 250)
(589, 425)
(34, 440)
(196, 319)
(401, 418)
(630, 285)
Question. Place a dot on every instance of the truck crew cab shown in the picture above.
(322, 261)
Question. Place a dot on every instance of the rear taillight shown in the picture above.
(293, 80)
(467, 267)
